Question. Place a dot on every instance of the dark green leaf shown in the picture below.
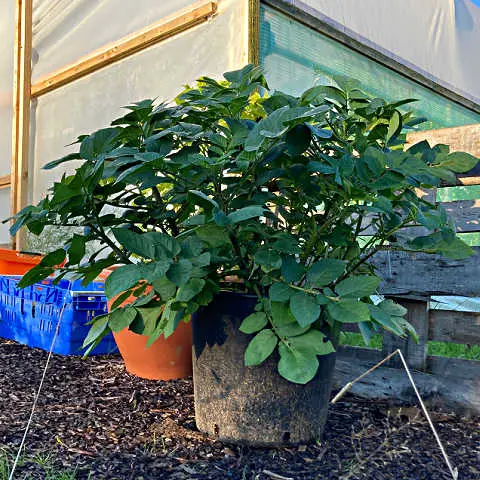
(254, 322)
(304, 308)
(295, 366)
(121, 318)
(349, 311)
(260, 347)
(280, 292)
(358, 287)
(323, 272)
(180, 272)
(190, 289)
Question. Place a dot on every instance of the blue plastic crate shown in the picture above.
(30, 315)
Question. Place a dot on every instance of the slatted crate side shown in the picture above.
(454, 327)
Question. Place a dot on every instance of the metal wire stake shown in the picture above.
(346, 388)
(34, 406)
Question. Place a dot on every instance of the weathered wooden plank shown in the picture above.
(456, 368)
(361, 354)
(419, 273)
(182, 20)
(458, 390)
(465, 213)
(417, 315)
(456, 327)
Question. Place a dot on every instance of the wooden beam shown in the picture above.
(21, 107)
(254, 32)
(182, 20)
(432, 274)
(456, 327)
(5, 181)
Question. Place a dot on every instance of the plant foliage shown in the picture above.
(238, 182)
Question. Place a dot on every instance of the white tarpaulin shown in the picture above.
(7, 28)
(439, 37)
(159, 72)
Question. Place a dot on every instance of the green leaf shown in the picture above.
(254, 322)
(97, 330)
(54, 259)
(34, 275)
(295, 366)
(387, 321)
(121, 318)
(98, 142)
(298, 139)
(304, 308)
(66, 158)
(203, 200)
(260, 347)
(190, 289)
(394, 125)
(192, 247)
(312, 343)
(213, 235)
(323, 272)
(179, 273)
(358, 287)
(292, 271)
(246, 213)
(150, 317)
(459, 162)
(122, 279)
(165, 288)
(268, 259)
(392, 308)
(280, 292)
(349, 311)
(76, 250)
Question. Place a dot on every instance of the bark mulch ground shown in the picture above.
(96, 418)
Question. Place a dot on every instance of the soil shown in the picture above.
(94, 417)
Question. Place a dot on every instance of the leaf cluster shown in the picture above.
(238, 186)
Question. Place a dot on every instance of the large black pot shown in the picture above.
(251, 405)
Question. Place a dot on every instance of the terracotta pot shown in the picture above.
(166, 359)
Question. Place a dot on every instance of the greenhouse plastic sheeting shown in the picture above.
(440, 37)
(65, 30)
(296, 57)
(7, 28)
(157, 72)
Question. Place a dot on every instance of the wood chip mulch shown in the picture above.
(106, 424)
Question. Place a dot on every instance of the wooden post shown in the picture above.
(254, 32)
(415, 353)
(21, 108)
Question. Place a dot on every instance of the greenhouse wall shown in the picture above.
(7, 22)
(296, 57)
(158, 72)
(439, 37)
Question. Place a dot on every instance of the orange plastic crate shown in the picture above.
(16, 263)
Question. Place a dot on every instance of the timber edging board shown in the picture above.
(453, 383)
(405, 273)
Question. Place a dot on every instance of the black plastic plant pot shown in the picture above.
(251, 405)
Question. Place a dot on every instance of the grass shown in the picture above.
(442, 349)
(42, 460)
